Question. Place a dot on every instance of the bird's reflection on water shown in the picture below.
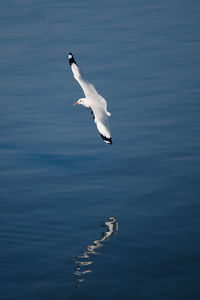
(83, 262)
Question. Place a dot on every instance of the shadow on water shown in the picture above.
(83, 262)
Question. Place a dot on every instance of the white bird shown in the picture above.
(94, 101)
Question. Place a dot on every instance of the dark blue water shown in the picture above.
(60, 184)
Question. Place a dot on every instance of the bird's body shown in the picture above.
(94, 101)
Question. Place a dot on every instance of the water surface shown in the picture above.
(60, 182)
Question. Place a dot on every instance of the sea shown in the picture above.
(81, 219)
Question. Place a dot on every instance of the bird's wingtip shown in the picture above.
(71, 59)
(106, 140)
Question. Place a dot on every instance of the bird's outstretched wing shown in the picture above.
(88, 88)
(101, 119)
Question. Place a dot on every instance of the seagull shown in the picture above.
(95, 102)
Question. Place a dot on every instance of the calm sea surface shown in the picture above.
(80, 219)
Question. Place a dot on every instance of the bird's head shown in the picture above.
(83, 102)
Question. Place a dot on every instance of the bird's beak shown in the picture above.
(75, 103)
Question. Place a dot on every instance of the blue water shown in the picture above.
(60, 184)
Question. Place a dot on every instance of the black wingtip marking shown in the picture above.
(71, 59)
(108, 140)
